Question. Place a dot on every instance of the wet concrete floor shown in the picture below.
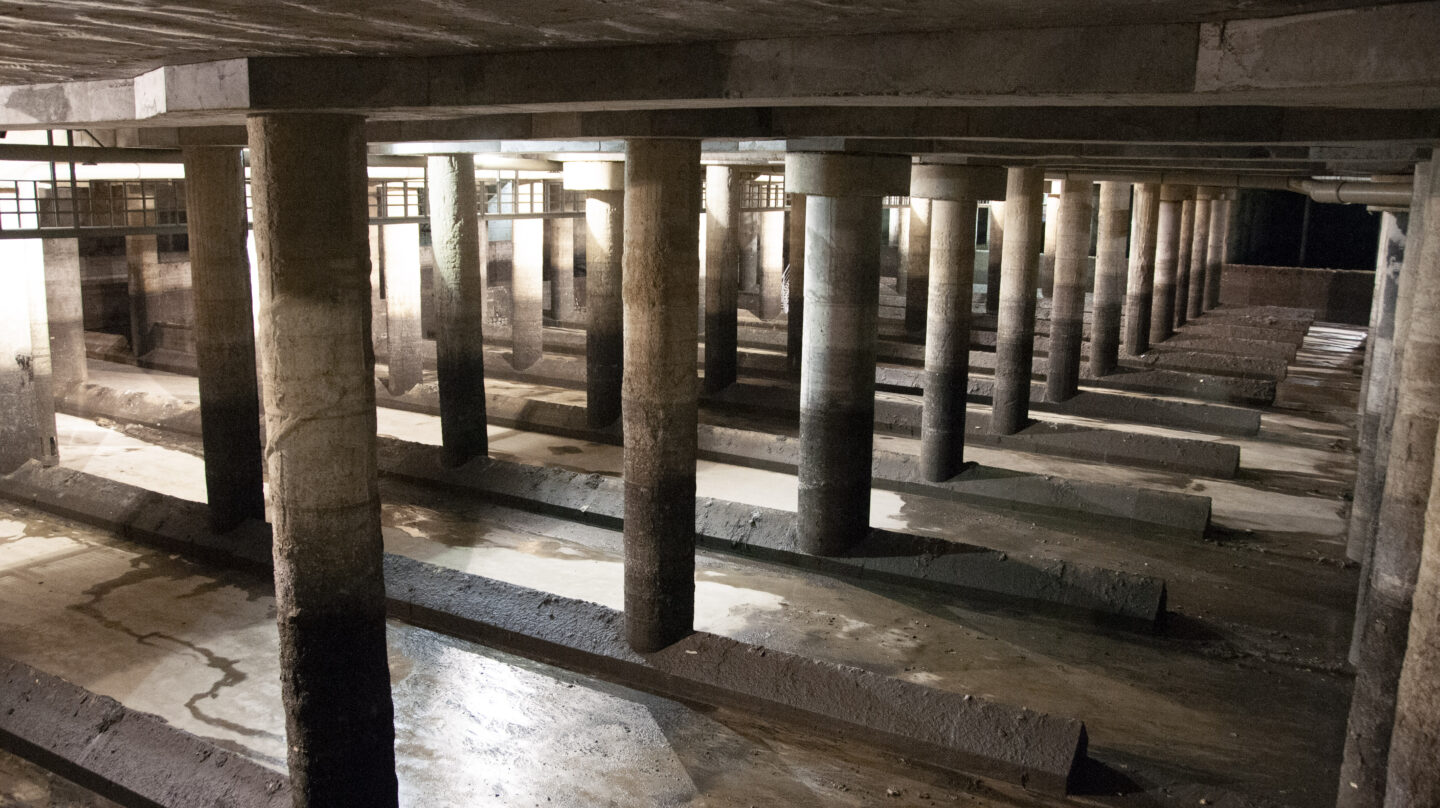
(1241, 700)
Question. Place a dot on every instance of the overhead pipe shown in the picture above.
(1349, 192)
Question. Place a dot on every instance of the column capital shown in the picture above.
(954, 183)
(838, 174)
(595, 175)
(1176, 193)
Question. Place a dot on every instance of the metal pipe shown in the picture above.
(1345, 192)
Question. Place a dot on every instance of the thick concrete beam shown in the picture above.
(660, 395)
(224, 335)
(124, 755)
(459, 289)
(308, 180)
(837, 386)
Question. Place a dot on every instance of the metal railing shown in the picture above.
(64, 208)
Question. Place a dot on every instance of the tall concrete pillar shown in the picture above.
(308, 181)
(837, 385)
(604, 184)
(917, 267)
(1379, 353)
(1199, 251)
(20, 435)
(1396, 554)
(1046, 280)
(722, 273)
(772, 263)
(141, 260)
(952, 191)
(995, 248)
(224, 336)
(1182, 262)
(560, 256)
(894, 246)
(405, 356)
(1067, 315)
(33, 268)
(1113, 226)
(1417, 233)
(1167, 259)
(1015, 326)
(527, 291)
(1140, 283)
(1215, 251)
(459, 307)
(661, 291)
(1412, 777)
(795, 327)
(748, 237)
(67, 317)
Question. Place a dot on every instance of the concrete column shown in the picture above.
(1215, 252)
(67, 317)
(795, 327)
(1416, 235)
(1046, 280)
(1182, 263)
(917, 268)
(308, 181)
(20, 435)
(405, 357)
(604, 184)
(1167, 258)
(837, 385)
(224, 336)
(1015, 326)
(1113, 228)
(1067, 315)
(527, 291)
(141, 258)
(661, 291)
(459, 307)
(33, 268)
(893, 244)
(722, 273)
(772, 263)
(746, 230)
(1140, 284)
(1412, 778)
(1378, 356)
(995, 248)
(952, 191)
(560, 249)
(1396, 555)
(1199, 252)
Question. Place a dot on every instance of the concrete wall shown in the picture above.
(1336, 295)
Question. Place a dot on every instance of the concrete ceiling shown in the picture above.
(64, 40)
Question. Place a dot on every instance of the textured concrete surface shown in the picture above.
(1254, 646)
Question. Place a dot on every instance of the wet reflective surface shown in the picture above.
(1240, 701)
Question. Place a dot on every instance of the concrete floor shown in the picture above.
(1240, 701)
